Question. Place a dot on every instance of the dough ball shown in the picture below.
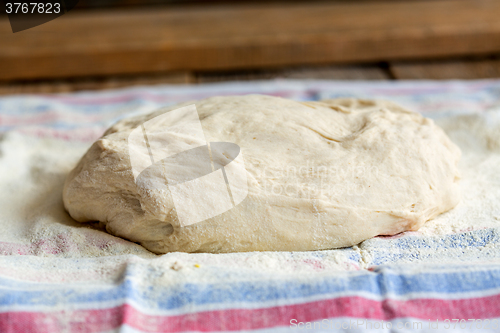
(319, 175)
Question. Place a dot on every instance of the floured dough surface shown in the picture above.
(320, 175)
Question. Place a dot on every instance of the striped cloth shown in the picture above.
(451, 284)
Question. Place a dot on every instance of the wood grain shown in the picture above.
(360, 72)
(447, 69)
(221, 37)
(371, 72)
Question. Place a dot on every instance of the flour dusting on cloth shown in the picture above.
(59, 273)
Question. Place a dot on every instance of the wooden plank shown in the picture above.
(62, 86)
(446, 70)
(245, 75)
(124, 3)
(361, 72)
(365, 72)
(235, 36)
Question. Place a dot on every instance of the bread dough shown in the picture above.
(320, 175)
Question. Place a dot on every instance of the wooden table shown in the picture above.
(382, 40)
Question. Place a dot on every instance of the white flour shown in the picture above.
(34, 223)
(479, 139)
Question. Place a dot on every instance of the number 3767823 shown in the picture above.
(32, 8)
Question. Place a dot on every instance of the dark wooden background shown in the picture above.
(116, 43)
